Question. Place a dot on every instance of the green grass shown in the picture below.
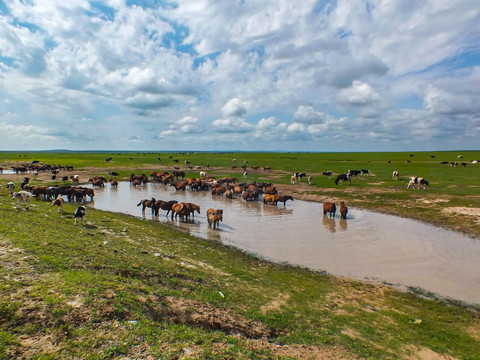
(100, 292)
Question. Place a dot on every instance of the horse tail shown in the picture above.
(140, 203)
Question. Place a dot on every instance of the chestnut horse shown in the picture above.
(270, 199)
(343, 210)
(329, 207)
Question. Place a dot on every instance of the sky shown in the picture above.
(248, 75)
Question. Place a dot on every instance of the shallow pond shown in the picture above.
(366, 246)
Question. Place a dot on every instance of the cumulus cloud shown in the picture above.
(187, 125)
(234, 107)
(231, 125)
(307, 115)
(359, 94)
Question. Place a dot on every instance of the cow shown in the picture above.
(343, 177)
(80, 213)
(59, 201)
(23, 197)
(395, 175)
(417, 181)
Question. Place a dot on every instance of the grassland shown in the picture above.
(121, 287)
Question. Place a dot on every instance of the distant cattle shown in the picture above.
(417, 181)
(395, 175)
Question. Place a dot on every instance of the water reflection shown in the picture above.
(375, 246)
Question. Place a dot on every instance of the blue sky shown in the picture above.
(249, 75)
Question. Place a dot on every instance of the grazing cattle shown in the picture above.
(444, 162)
(203, 174)
(59, 201)
(234, 161)
(299, 175)
(343, 177)
(65, 178)
(285, 198)
(310, 179)
(327, 174)
(255, 168)
(113, 173)
(108, 159)
(80, 213)
(292, 179)
(10, 186)
(329, 207)
(245, 173)
(164, 205)
(113, 183)
(273, 199)
(463, 164)
(267, 168)
(147, 203)
(23, 197)
(354, 172)
(234, 166)
(395, 175)
(365, 171)
(417, 181)
(343, 210)
(75, 179)
(453, 164)
(474, 162)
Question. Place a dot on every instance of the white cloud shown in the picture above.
(231, 125)
(358, 94)
(234, 107)
(307, 115)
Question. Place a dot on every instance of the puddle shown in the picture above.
(366, 246)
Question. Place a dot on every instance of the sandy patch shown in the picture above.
(462, 211)
(276, 304)
(428, 354)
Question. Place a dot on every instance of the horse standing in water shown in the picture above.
(329, 207)
(147, 203)
(343, 210)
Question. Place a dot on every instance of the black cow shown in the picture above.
(343, 177)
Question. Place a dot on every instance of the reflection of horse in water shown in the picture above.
(343, 224)
(329, 223)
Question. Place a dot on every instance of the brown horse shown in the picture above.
(343, 210)
(214, 220)
(284, 198)
(164, 205)
(270, 199)
(329, 207)
(147, 203)
(113, 183)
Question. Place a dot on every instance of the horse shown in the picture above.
(80, 213)
(212, 211)
(59, 201)
(147, 203)
(214, 220)
(271, 190)
(23, 197)
(292, 179)
(184, 210)
(229, 194)
(285, 198)
(270, 199)
(329, 207)
(113, 183)
(164, 205)
(192, 208)
(343, 210)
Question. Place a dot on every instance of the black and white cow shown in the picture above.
(419, 181)
(343, 177)
(354, 172)
(80, 213)
(299, 175)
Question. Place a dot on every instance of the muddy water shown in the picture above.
(366, 246)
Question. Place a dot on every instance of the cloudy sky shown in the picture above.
(310, 75)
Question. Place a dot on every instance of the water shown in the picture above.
(366, 246)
